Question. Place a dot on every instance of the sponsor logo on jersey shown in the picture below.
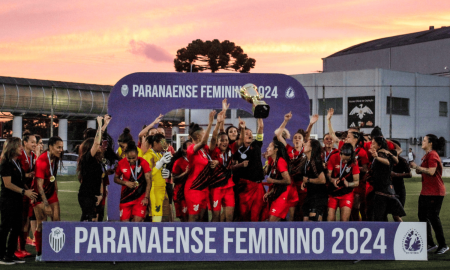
(216, 203)
(196, 206)
(124, 170)
(57, 238)
(274, 210)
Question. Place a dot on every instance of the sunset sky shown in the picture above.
(100, 41)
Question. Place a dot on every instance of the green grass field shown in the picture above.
(70, 211)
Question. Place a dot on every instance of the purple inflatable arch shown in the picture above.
(139, 97)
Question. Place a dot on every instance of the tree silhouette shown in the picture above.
(212, 55)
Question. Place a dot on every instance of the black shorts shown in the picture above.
(315, 204)
(88, 207)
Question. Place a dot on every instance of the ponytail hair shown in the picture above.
(194, 129)
(125, 137)
(436, 143)
(26, 136)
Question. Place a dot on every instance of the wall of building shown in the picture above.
(423, 91)
(426, 58)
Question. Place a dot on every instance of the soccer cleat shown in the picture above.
(19, 254)
(39, 258)
(7, 261)
(17, 260)
(431, 248)
(25, 253)
(31, 242)
(442, 250)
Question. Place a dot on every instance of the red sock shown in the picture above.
(38, 239)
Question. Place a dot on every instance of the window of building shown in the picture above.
(310, 107)
(335, 103)
(400, 106)
(443, 109)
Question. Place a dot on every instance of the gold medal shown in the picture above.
(52, 179)
(103, 175)
(137, 183)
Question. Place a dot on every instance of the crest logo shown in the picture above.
(57, 238)
(290, 94)
(158, 208)
(124, 90)
(412, 242)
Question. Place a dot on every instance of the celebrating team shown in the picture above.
(362, 177)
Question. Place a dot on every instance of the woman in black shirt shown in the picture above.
(90, 173)
(314, 180)
(12, 192)
(384, 200)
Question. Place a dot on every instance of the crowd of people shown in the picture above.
(221, 179)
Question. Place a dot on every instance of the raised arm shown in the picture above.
(312, 121)
(225, 107)
(106, 119)
(98, 137)
(260, 126)
(147, 128)
(279, 131)
(330, 127)
(204, 140)
(242, 135)
(219, 122)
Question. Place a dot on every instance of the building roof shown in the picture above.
(395, 41)
(56, 84)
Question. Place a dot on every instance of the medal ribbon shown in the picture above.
(18, 167)
(306, 164)
(31, 159)
(299, 153)
(50, 163)
(244, 151)
(209, 158)
(341, 171)
(327, 156)
(135, 170)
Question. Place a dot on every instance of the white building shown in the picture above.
(420, 103)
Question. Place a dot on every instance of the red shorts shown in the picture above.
(181, 209)
(293, 195)
(221, 197)
(360, 189)
(53, 199)
(195, 199)
(280, 207)
(341, 201)
(133, 208)
(251, 201)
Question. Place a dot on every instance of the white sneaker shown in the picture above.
(442, 250)
(39, 258)
(431, 248)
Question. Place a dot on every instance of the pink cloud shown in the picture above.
(150, 51)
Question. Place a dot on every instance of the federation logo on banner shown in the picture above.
(124, 90)
(57, 238)
(412, 242)
(290, 94)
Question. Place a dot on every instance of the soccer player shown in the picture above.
(90, 172)
(383, 201)
(45, 184)
(280, 192)
(200, 165)
(38, 151)
(400, 171)
(146, 130)
(433, 191)
(136, 183)
(248, 168)
(27, 162)
(221, 185)
(156, 160)
(315, 182)
(11, 197)
(180, 171)
(123, 140)
(297, 158)
(343, 172)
